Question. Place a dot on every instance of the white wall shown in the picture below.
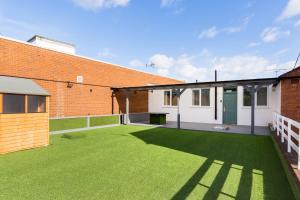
(54, 45)
(263, 114)
(189, 113)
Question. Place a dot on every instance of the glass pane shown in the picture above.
(205, 97)
(196, 98)
(167, 98)
(13, 103)
(174, 98)
(36, 104)
(262, 97)
(247, 98)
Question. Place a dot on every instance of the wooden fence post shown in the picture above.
(277, 124)
(289, 136)
(298, 149)
(282, 129)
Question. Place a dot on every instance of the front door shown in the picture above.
(230, 106)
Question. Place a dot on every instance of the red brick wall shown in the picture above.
(290, 96)
(94, 97)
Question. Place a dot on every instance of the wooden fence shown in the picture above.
(289, 131)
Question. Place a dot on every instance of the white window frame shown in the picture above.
(200, 98)
(171, 94)
(255, 99)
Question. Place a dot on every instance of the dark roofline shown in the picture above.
(284, 74)
(39, 36)
(229, 83)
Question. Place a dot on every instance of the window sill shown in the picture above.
(256, 107)
(201, 106)
(169, 106)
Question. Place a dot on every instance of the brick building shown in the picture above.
(78, 85)
(290, 94)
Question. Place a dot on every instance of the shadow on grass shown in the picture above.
(73, 136)
(251, 154)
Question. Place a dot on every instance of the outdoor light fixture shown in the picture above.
(69, 84)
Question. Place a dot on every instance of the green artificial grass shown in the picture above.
(288, 171)
(135, 162)
(65, 124)
(104, 120)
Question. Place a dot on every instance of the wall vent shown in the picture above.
(79, 79)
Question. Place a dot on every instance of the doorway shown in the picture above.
(230, 106)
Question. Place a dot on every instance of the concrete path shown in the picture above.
(259, 130)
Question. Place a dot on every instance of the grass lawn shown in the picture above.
(135, 162)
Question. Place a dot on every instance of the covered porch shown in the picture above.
(250, 85)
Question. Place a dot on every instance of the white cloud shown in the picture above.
(136, 63)
(297, 24)
(161, 61)
(209, 33)
(214, 31)
(97, 4)
(292, 9)
(253, 44)
(163, 72)
(244, 66)
(106, 53)
(281, 52)
(166, 3)
(272, 34)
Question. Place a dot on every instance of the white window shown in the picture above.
(170, 98)
(246, 98)
(261, 97)
(201, 97)
(167, 98)
(205, 97)
(196, 97)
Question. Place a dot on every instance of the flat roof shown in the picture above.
(54, 40)
(229, 83)
(13, 85)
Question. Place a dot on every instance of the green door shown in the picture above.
(230, 106)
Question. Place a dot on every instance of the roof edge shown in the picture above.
(87, 58)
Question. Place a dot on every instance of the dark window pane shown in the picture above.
(246, 98)
(174, 98)
(167, 97)
(196, 98)
(13, 103)
(205, 97)
(262, 96)
(36, 104)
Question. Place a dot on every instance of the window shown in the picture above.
(205, 97)
(36, 104)
(167, 97)
(246, 98)
(262, 97)
(196, 98)
(174, 98)
(13, 103)
(170, 98)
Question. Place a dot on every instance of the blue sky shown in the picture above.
(184, 39)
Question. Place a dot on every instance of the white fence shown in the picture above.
(286, 129)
